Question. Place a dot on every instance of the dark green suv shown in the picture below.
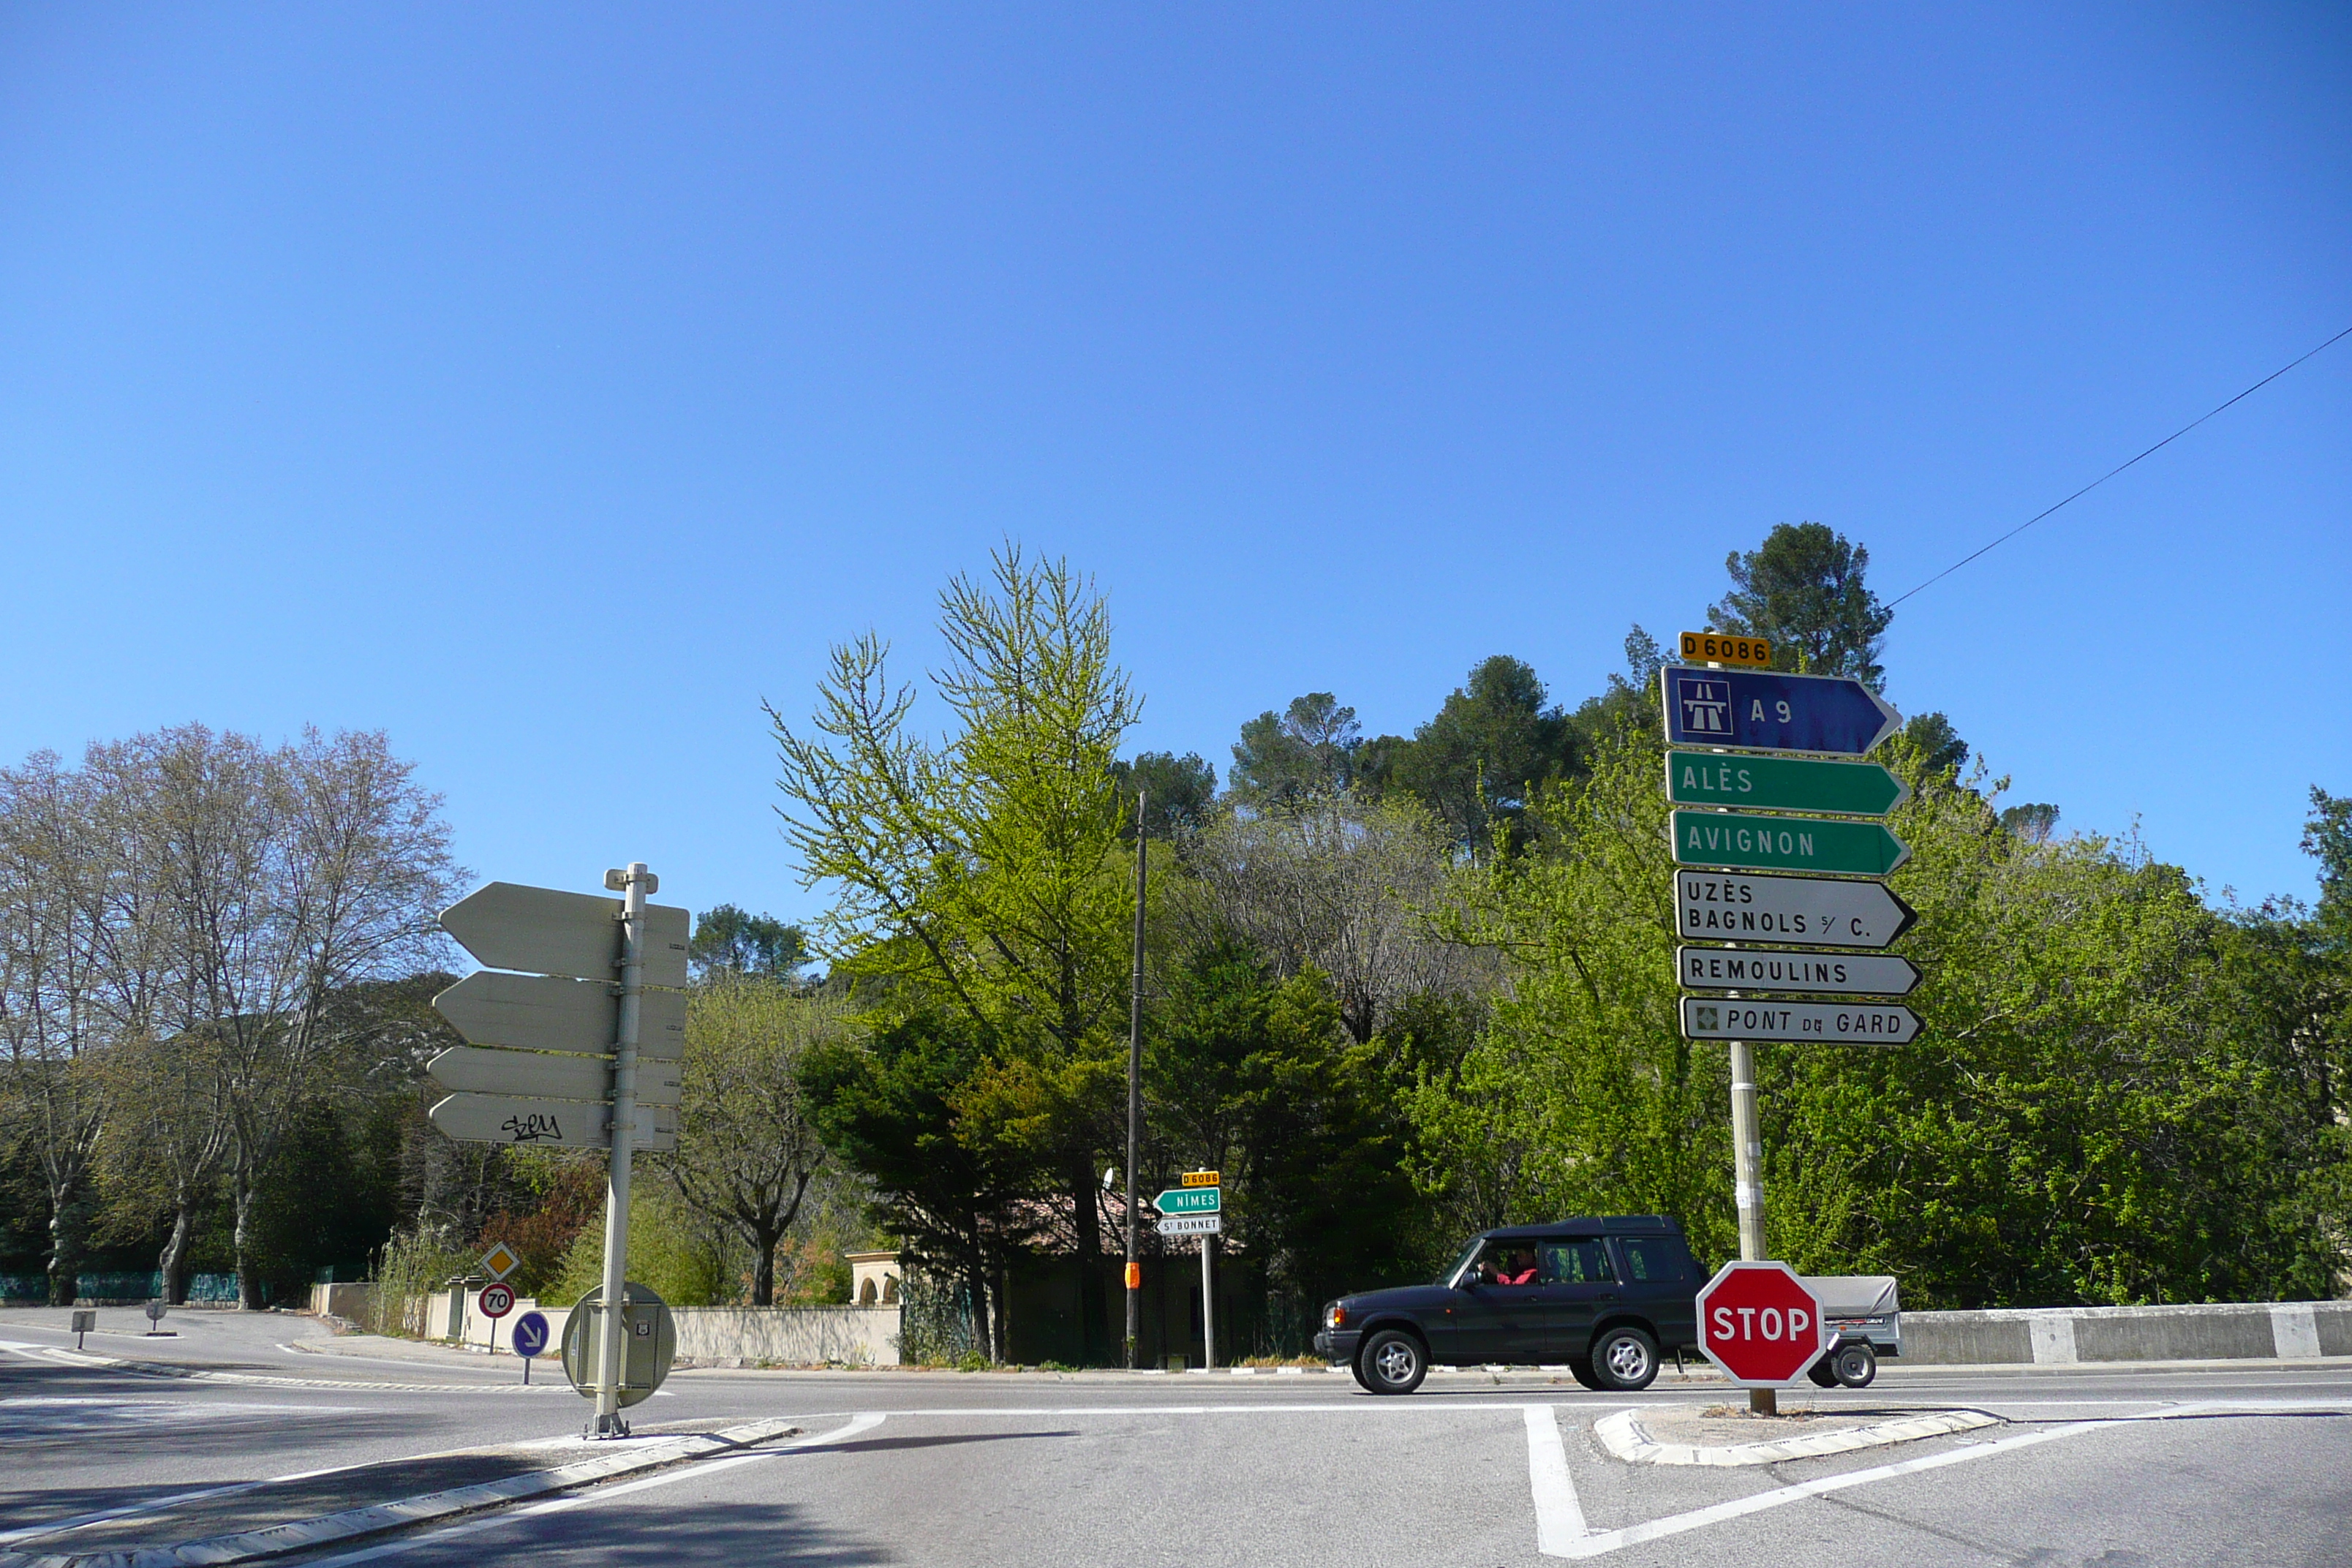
(1604, 1297)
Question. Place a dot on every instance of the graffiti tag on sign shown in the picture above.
(531, 1129)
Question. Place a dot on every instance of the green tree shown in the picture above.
(986, 873)
(1254, 1076)
(728, 941)
(1491, 745)
(1180, 792)
(956, 1196)
(2328, 839)
(2119, 1095)
(1803, 589)
(1308, 749)
(747, 1148)
(1932, 744)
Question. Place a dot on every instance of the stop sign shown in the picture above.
(1760, 1324)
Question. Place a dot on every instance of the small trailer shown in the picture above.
(1866, 1312)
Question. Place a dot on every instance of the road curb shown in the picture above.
(1624, 1436)
(301, 1536)
(66, 1356)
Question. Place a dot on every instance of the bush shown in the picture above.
(412, 1266)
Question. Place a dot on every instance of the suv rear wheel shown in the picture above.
(1625, 1359)
(1391, 1361)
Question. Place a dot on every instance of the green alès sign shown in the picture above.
(1782, 783)
(1785, 843)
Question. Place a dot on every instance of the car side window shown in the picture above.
(1583, 1262)
(1657, 1260)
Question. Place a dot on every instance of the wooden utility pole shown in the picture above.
(1135, 1094)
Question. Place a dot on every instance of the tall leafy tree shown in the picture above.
(1803, 588)
(730, 941)
(747, 1147)
(1179, 794)
(1254, 1076)
(1496, 739)
(1308, 749)
(955, 1196)
(986, 871)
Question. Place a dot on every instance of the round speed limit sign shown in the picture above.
(497, 1300)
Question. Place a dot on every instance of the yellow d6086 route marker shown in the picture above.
(1719, 648)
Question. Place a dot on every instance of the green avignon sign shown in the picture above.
(1786, 844)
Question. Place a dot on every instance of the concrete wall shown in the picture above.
(791, 1336)
(712, 1336)
(2261, 1330)
(354, 1301)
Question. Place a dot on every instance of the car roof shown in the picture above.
(1591, 1225)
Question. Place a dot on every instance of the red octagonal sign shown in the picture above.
(1760, 1324)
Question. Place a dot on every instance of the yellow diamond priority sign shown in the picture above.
(501, 1260)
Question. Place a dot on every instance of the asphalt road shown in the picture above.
(2201, 1464)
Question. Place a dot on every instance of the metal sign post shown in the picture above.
(1134, 1271)
(1736, 793)
(1209, 1302)
(564, 1045)
(1196, 1207)
(633, 884)
(529, 1338)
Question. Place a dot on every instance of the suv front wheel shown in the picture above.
(1391, 1361)
(1625, 1359)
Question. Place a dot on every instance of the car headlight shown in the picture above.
(1335, 1316)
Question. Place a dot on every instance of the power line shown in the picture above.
(2119, 467)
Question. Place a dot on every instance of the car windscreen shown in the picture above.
(1459, 1264)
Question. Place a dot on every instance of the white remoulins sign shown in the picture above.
(1761, 1324)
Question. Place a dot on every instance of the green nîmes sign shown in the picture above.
(1781, 784)
(1785, 843)
(1191, 1199)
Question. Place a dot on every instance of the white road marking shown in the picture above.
(1601, 1541)
(1560, 1519)
(857, 1423)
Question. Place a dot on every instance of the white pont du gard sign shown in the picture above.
(1834, 1022)
(566, 1123)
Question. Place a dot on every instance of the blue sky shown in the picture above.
(548, 385)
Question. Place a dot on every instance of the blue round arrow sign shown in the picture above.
(530, 1334)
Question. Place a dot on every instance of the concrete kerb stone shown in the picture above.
(325, 1529)
(266, 1380)
(1624, 1436)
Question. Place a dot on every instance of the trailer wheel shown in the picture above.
(1854, 1364)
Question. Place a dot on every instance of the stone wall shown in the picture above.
(2259, 1330)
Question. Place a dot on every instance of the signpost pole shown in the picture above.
(1134, 1273)
(1208, 1303)
(634, 884)
(1747, 1178)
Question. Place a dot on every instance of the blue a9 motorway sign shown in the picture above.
(1764, 710)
